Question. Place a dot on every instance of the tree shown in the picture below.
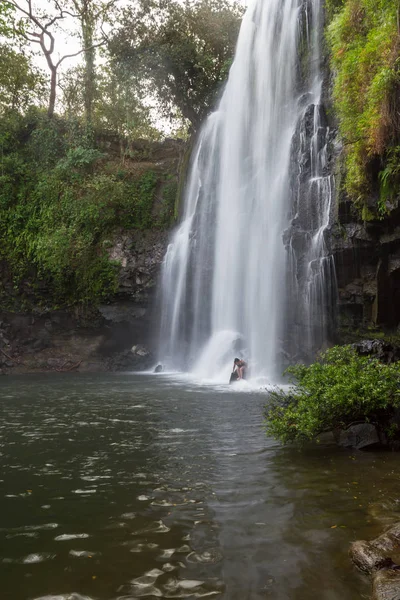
(6, 14)
(183, 51)
(118, 106)
(20, 82)
(38, 27)
(91, 15)
(88, 16)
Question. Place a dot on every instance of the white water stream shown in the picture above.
(247, 272)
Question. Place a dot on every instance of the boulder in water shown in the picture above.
(359, 435)
(377, 554)
(158, 369)
(234, 377)
(387, 584)
(367, 557)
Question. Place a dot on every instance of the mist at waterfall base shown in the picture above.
(247, 272)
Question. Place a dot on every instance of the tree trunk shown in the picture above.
(53, 91)
(88, 27)
(89, 85)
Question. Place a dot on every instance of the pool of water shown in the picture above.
(142, 486)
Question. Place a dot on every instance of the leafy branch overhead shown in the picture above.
(183, 51)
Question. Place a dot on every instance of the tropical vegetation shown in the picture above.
(340, 388)
(363, 38)
(70, 176)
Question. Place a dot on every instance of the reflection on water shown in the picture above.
(123, 487)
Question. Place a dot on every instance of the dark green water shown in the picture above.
(119, 487)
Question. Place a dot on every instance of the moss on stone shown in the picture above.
(364, 47)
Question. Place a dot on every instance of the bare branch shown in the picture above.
(28, 39)
(54, 20)
(58, 6)
(52, 41)
(104, 34)
(79, 52)
(28, 13)
(63, 11)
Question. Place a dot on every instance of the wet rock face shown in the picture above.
(384, 351)
(64, 341)
(367, 261)
(375, 558)
(140, 254)
(102, 338)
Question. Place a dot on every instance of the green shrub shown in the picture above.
(340, 388)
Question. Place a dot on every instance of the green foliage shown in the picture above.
(78, 160)
(120, 106)
(332, 7)
(363, 38)
(117, 106)
(21, 83)
(59, 204)
(141, 195)
(338, 389)
(7, 12)
(389, 179)
(183, 50)
(169, 198)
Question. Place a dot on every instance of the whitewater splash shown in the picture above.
(235, 279)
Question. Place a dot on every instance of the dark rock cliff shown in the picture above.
(367, 258)
(367, 264)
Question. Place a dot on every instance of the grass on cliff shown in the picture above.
(60, 202)
(364, 41)
(340, 388)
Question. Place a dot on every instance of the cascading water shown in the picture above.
(233, 281)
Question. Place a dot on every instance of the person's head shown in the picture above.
(236, 361)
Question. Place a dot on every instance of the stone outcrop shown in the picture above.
(367, 261)
(140, 254)
(378, 559)
(384, 351)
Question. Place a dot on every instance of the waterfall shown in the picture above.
(247, 273)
